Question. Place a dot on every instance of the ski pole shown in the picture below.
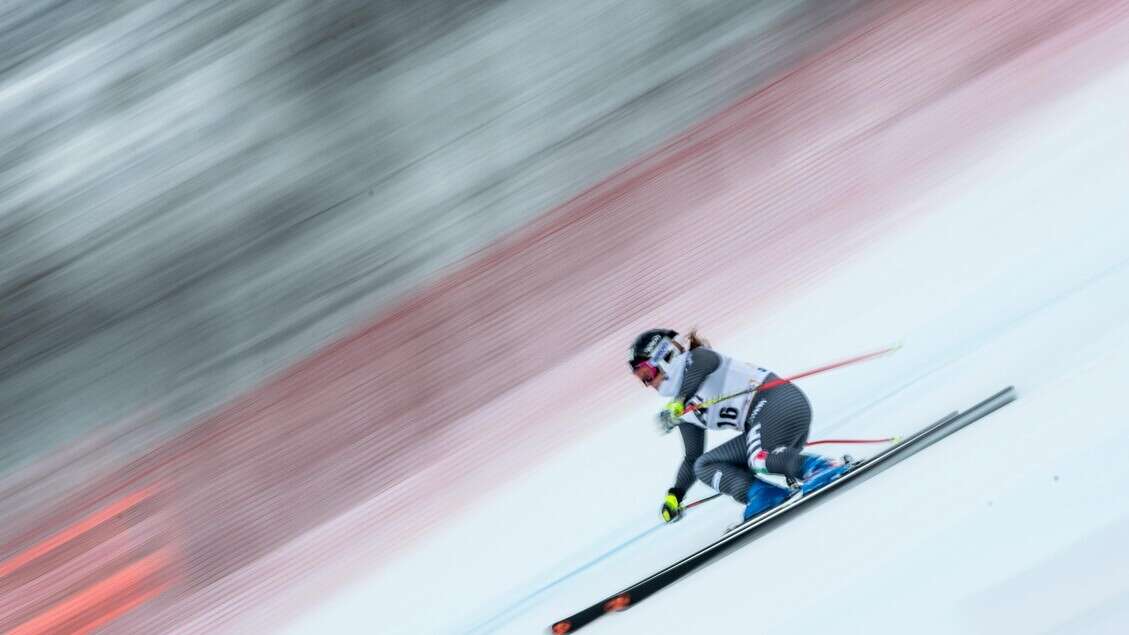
(700, 501)
(853, 441)
(785, 380)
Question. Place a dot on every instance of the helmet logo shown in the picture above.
(659, 352)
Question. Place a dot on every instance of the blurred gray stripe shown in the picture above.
(196, 194)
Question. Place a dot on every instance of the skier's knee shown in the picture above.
(709, 473)
(703, 470)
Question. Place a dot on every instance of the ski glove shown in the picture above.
(670, 416)
(672, 505)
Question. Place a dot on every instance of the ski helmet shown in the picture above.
(654, 348)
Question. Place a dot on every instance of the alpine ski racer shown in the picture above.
(772, 425)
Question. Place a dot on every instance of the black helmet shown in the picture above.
(655, 346)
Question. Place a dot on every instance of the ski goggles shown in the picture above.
(646, 372)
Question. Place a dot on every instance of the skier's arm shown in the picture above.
(694, 441)
(701, 362)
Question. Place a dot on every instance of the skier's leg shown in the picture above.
(725, 469)
(776, 431)
(778, 427)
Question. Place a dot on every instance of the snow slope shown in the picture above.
(1015, 271)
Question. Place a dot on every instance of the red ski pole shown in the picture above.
(700, 501)
(852, 441)
(785, 380)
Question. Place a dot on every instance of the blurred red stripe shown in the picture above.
(36, 587)
(40, 549)
(125, 588)
(115, 613)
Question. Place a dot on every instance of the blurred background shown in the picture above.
(285, 286)
(199, 194)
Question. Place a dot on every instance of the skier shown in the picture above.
(773, 424)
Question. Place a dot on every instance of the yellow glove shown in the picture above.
(670, 416)
(672, 505)
(676, 408)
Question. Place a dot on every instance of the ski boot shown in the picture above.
(820, 470)
(763, 496)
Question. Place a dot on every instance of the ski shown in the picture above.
(863, 469)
